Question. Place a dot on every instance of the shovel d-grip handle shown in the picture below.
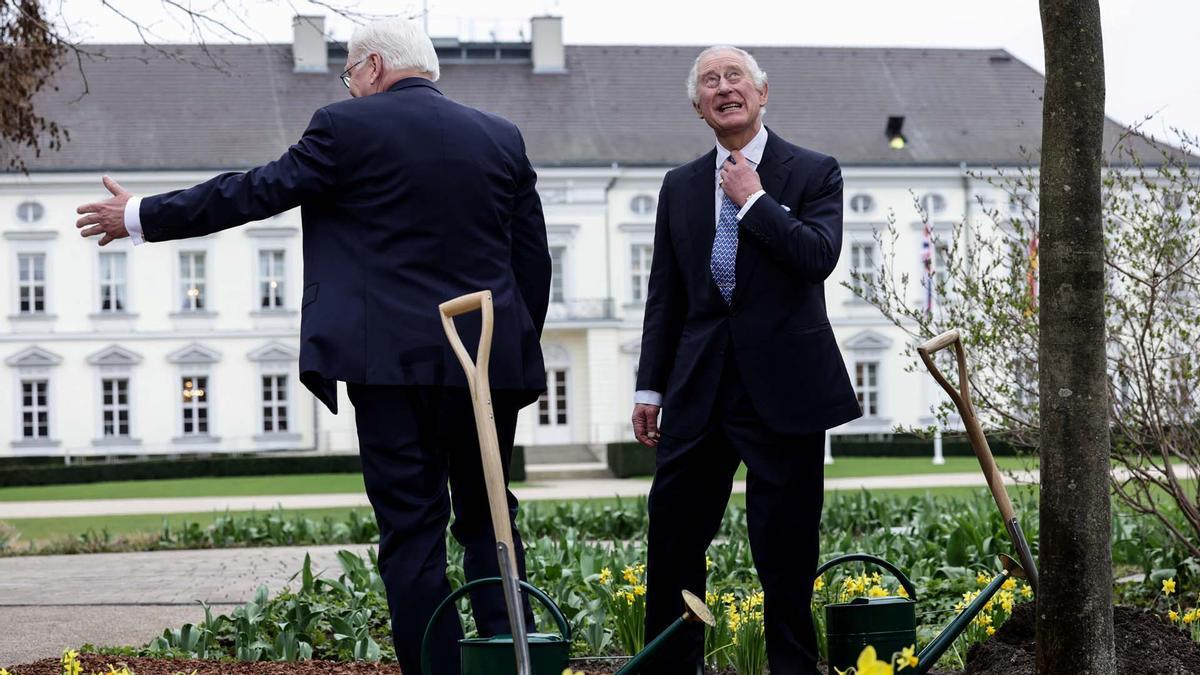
(874, 560)
(564, 628)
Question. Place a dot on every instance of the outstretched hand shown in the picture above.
(107, 217)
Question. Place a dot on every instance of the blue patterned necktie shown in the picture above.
(724, 250)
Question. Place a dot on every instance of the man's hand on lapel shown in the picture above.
(739, 180)
(106, 217)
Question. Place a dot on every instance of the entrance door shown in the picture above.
(553, 416)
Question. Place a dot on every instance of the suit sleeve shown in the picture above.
(666, 306)
(810, 240)
(530, 252)
(308, 169)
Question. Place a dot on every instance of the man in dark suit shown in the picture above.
(408, 199)
(738, 353)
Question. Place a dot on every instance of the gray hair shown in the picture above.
(758, 75)
(399, 42)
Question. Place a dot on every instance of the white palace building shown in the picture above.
(191, 346)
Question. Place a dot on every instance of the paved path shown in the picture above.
(48, 603)
(549, 490)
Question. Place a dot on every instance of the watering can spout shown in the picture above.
(694, 611)
(938, 646)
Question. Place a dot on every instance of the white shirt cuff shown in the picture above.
(648, 397)
(750, 202)
(133, 220)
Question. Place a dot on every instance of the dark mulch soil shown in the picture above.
(1146, 645)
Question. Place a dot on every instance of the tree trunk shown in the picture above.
(1075, 618)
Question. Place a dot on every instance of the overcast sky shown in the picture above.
(1150, 46)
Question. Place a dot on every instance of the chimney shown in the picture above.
(548, 53)
(309, 52)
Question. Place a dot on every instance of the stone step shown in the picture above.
(566, 471)
(559, 454)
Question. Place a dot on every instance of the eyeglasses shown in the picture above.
(346, 73)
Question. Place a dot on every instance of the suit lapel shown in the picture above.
(773, 172)
(702, 224)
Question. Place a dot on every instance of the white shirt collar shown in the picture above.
(753, 150)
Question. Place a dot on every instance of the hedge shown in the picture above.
(37, 471)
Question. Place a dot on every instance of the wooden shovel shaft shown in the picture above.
(962, 400)
(979, 443)
(489, 446)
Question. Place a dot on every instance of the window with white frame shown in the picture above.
(30, 212)
(862, 264)
(932, 203)
(271, 274)
(866, 386)
(191, 281)
(31, 283)
(640, 256)
(35, 409)
(114, 407)
(194, 402)
(112, 282)
(862, 203)
(552, 405)
(557, 255)
(274, 404)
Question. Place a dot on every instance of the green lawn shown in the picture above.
(329, 483)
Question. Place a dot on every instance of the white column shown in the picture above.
(937, 447)
(828, 449)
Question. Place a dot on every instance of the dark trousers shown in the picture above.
(784, 496)
(413, 440)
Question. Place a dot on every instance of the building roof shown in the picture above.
(239, 106)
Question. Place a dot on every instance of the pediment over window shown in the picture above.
(632, 347)
(273, 351)
(867, 340)
(114, 356)
(194, 353)
(33, 357)
(556, 355)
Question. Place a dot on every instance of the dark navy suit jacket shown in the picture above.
(407, 199)
(776, 324)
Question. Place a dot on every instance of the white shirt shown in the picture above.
(752, 152)
(133, 220)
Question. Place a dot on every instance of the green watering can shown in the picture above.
(889, 624)
(548, 653)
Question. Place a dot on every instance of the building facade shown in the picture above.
(191, 346)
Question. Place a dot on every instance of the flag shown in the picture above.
(927, 262)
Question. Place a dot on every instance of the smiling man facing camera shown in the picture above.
(738, 353)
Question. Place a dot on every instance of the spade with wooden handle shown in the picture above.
(489, 448)
(983, 452)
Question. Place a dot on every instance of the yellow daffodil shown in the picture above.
(1168, 586)
(707, 563)
(70, 663)
(1026, 592)
(982, 579)
(568, 671)
(1172, 615)
(1009, 584)
(639, 589)
(869, 664)
(1190, 617)
(902, 592)
(4, 672)
(818, 584)
(908, 659)
(991, 631)
(605, 575)
(629, 575)
(877, 592)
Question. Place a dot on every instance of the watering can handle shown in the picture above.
(866, 557)
(563, 627)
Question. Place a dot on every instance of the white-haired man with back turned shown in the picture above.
(737, 349)
(408, 199)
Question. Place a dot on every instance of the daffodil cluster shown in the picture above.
(625, 601)
(1186, 619)
(868, 585)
